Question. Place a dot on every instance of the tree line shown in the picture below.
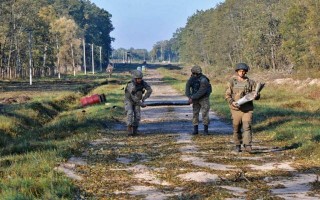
(49, 37)
(266, 34)
(65, 36)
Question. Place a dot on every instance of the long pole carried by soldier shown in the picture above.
(136, 92)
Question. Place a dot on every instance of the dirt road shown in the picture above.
(172, 119)
(166, 162)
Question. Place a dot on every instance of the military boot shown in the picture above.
(206, 131)
(248, 148)
(134, 130)
(129, 130)
(195, 130)
(237, 149)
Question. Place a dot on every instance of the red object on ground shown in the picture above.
(96, 98)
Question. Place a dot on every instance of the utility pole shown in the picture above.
(58, 58)
(92, 58)
(161, 52)
(74, 67)
(84, 57)
(30, 57)
(45, 56)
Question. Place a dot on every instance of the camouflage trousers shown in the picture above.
(133, 113)
(241, 122)
(202, 105)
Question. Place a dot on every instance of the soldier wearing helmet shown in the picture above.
(237, 87)
(136, 92)
(198, 90)
(109, 69)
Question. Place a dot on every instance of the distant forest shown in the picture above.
(266, 34)
(48, 37)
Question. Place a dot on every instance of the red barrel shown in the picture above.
(90, 100)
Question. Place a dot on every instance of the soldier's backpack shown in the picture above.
(196, 85)
(209, 90)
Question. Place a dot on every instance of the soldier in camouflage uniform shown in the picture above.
(198, 90)
(136, 92)
(239, 86)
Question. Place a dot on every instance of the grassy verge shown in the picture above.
(37, 135)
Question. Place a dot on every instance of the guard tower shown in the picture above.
(128, 57)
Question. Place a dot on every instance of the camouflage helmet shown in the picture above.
(242, 66)
(137, 74)
(196, 69)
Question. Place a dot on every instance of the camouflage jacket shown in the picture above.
(135, 93)
(237, 89)
(198, 87)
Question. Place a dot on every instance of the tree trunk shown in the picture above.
(273, 59)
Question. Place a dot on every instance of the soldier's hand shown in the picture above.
(234, 104)
(256, 96)
(142, 104)
(190, 101)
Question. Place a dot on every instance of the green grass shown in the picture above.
(30, 176)
(37, 135)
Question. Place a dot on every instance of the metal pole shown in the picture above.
(30, 57)
(92, 59)
(84, 57)
(58, 58)
(45, 56)
(73, 64)
(100, 59)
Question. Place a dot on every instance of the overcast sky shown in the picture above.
(142, 23)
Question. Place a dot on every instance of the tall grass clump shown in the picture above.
(290, 116)
(30, 176)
